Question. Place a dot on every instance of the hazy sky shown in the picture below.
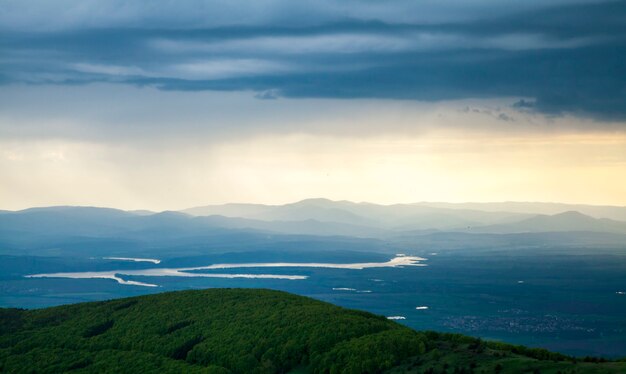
(160, 105)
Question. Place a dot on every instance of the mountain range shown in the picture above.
(319, 217)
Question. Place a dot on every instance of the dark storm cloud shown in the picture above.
(568, 57)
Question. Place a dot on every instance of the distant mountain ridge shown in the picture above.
(318, 217)
(566, 221)
(429, 216)
(391, 217)
(617, 213)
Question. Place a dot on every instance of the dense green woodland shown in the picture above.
(250, 331)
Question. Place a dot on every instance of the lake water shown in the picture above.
(568, 303)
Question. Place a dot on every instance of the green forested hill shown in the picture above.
(248, 331)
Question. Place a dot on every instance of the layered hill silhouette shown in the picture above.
(566, 221)
(397, 214)
(249, 331)
(308, 217)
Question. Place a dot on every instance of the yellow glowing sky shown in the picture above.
(377, 151)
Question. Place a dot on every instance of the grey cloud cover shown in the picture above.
(562, 56)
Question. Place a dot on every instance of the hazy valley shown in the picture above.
(544, 280)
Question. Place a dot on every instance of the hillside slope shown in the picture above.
(247, 331)
(566, 221)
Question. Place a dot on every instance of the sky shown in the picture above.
(173, 104)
